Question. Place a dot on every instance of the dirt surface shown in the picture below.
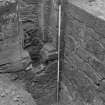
(12, 93)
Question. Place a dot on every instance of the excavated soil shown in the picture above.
(13, 93)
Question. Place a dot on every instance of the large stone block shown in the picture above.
(99, 27)
(69, 44)
(82, 85)
(82, 54)
(68, 86)
(90, 32)
(96, 49)
(98, 67)
(67, 94)
(102, 42)
(77, 77)
(85, 67)
(76, 61)
(78, 30)
(68, 28)
(69, 64)
(75, 29)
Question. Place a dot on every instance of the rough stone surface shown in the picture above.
(84, 55)
(13, 93)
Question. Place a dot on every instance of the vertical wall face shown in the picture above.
(44, 15)
(84, 57)
(30, 16)
(50, 20)
(9, 39)
(8, 27)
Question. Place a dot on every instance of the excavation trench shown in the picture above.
(29, 59)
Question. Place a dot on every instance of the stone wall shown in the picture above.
(50, 20)
(11, 52)
(44, 14)
(84, 57)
